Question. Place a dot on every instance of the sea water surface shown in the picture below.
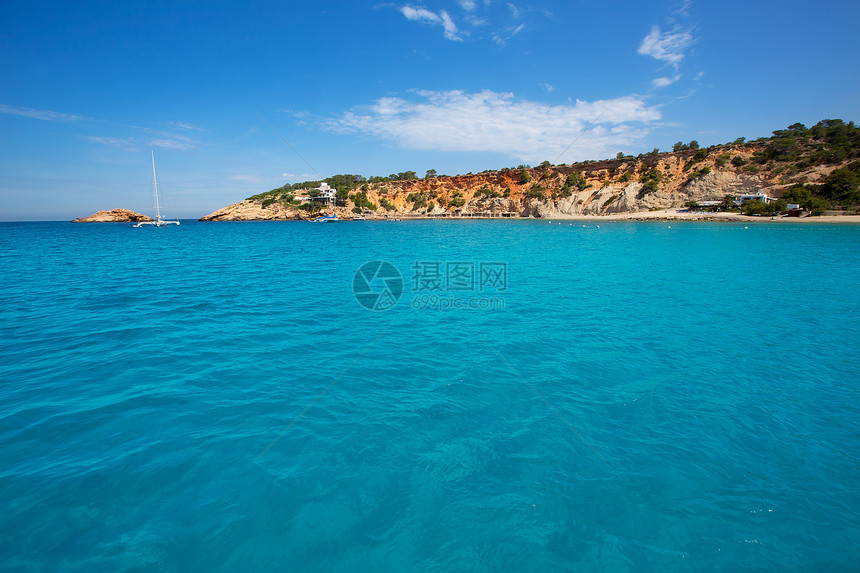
(622, 397)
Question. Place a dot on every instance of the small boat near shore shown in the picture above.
(326, 219)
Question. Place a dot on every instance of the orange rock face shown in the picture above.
(613, 186)
(115, 216)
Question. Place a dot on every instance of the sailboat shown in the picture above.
(159, 222)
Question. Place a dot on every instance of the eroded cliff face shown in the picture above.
(626, 185)
(114, 216)
(250, 210)
(634, 197)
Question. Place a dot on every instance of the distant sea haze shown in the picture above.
(489, 395)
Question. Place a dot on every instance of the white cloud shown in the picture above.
(477, 20)
(449, 26)
(502, 36)
(441, 19)
(668, 47)
(121, 143)
(183, 126)
(419, 14)
(548, 87)
(171, 144)
(498, 122)
(665, 81)
(302, 178)
(169, 139)
(682, 9)
(43, 114)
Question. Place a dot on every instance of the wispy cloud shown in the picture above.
(499, 122)
(183, 126)
(664, 81)
(120, 143)
(502, 36)
(417, 14)
(300, 178)
(170, 144)
(672, 46)
(681, 9)
(164, 139)
(667, 47)
(476, 20)
(42, 114)
(170, 139)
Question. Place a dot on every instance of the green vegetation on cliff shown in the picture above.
(651, 181)
(343, 184)
(797, 149)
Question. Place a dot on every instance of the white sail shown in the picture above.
(159, 222)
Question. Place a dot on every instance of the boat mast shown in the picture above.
(155, 185)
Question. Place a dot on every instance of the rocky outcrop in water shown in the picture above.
(115, 216)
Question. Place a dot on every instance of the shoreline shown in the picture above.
(665, 215)
(645, 216)
(674, 215)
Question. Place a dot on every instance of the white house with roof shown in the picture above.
(325, 195)
(741, 199)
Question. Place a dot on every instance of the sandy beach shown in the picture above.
(677, 215)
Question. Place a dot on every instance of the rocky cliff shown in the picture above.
(115, 216)
(622, 185)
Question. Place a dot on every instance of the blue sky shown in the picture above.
(88, 89)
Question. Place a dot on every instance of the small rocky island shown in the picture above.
(115, 216)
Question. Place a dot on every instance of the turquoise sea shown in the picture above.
(530, 396)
